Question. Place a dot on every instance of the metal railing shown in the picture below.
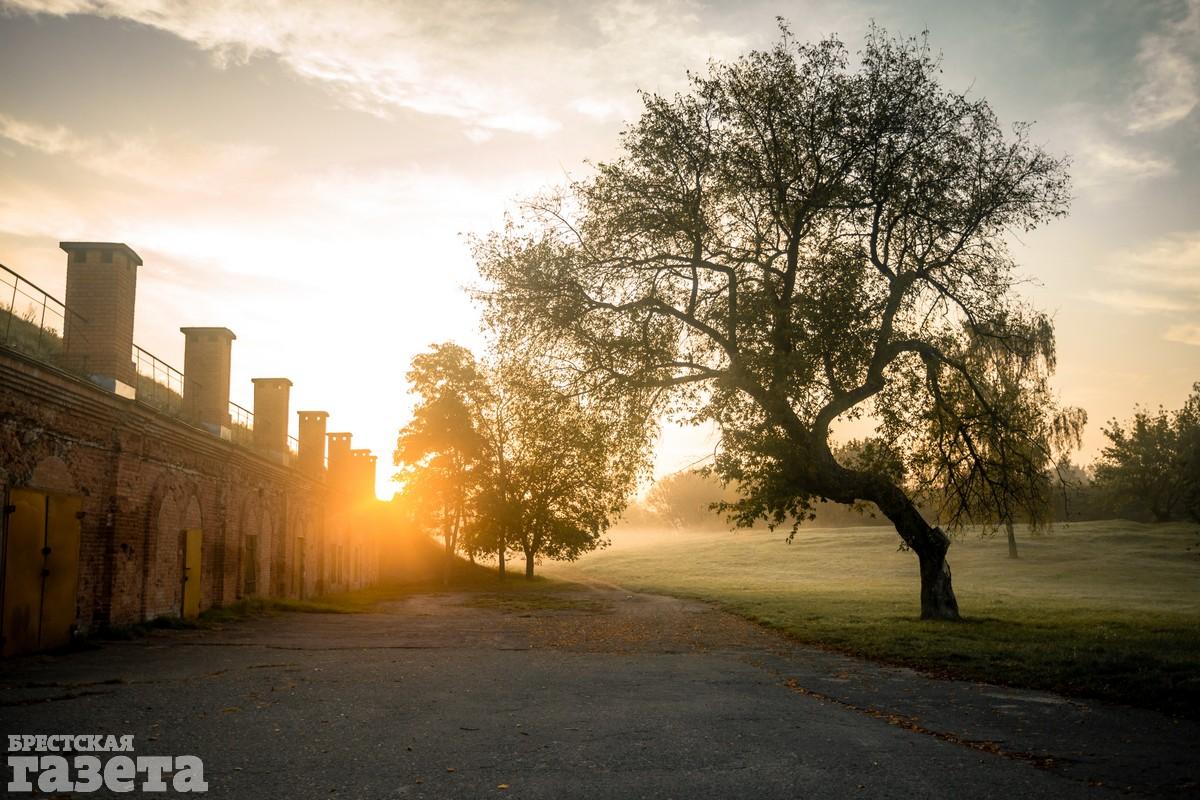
(159, 385)
(241, 425)
(32, 321)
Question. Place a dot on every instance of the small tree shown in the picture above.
(792, 242)
(1151, 462)
(438, 451)
(688, 498)
(560, 467)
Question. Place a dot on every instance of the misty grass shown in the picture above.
(1108, 609)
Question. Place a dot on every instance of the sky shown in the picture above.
(306, 172)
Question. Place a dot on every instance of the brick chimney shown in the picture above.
(340, 466)
(206, 361)
(369, 477)
(362, 474)
(271, 414)
(101, 290)
(312, 442)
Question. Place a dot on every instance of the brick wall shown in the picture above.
(145, 477)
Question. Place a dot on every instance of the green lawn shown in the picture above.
(1105, 609)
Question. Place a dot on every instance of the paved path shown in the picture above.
(587, 693)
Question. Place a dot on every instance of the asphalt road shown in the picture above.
(593, 693)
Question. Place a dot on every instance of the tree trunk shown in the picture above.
(929, 543)
(500, 558)
(937, 593)
(1012, 539)
(529, 565)
(449, 561)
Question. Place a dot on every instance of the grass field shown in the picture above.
(1103, 609)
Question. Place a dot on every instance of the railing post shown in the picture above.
(42, 324)
(12, 308)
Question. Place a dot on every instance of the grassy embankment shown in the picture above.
(1106, 609)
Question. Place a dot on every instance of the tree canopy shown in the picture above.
(797, 240)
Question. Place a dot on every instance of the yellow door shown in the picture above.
(41, 571)
(61, 571)
(24, 538)
(191, 573)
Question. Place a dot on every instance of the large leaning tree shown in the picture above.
(796, 241)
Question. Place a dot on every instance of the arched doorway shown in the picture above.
(191, 555)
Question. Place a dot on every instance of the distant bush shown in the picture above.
(1151, 466)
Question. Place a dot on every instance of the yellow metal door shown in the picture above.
(191, 573)
(24, 538)
(61, 571)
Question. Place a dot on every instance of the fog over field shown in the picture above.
(1111, 564)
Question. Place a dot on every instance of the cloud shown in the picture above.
(500, 65)
(1162, 278)
(32, 209)
(1112, 143)
(596, 108)
(1185, 333)
(146, 160)
(1135, 302)
(1104, 160)
(1168, 88)
(1169, 264)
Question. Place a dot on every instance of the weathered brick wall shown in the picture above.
(144, 478)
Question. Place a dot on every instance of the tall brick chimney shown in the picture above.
(312, 442)
(101, 290)
(362, 474)
(271, 414)
(206, 362)
(369, 478)
(340, 465)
